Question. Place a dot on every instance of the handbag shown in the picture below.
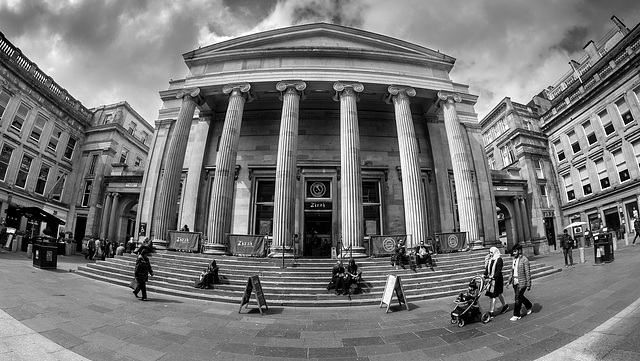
(134, 284)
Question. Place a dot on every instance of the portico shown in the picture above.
(268, 155)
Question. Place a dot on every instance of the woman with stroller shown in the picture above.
(493, 271)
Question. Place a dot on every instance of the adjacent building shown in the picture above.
(320, 130)
(57, 156)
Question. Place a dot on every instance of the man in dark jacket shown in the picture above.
(521, 280)
(142, 272)
(567, 243)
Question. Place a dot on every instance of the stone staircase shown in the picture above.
(300, 284)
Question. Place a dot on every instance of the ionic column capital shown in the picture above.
(238, 89)
(347, 89)
(449, 97)
(400, 92)
(291, 87)
(192, 94)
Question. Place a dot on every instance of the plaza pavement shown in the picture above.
(589, 312)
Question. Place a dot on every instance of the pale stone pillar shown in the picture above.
(518, 219)
(467, 210)
(166, 207)
(114, 219)
(222, 189)
(194, 173)
(285, 192)
(352, 215)
(106, 212)
(526, 224)
(415, 205)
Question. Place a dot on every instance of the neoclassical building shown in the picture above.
(325, 131)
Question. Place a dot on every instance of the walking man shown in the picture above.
(142, 272)
(521, 280)
(567, 247)
(636, 228)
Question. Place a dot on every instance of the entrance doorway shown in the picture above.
(78, 234)
(550, 231)
(317, 240)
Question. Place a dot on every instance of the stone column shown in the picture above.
(526, 224)
(467, 209)
(285, 192)
(415, 205)
(166, 207)
(106, 212)
(518, 219)
(222, 189)
(194, 173)
(352, 217)
(114, 219)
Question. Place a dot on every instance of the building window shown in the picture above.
(543, 196)
(568, 187)
(265, 191)
(624, 111)
(584, 180)
(636, 151)
(492, 163)
(601, 167)
(137, 162)
(621, 166)
(19, 118)
(55, 137)
(559, 151)
(132, 128)
(38, 127)
(71, 144)
(42, 179)
(92, 165)
(4, 101)
(575, 145)
(5, 159)
(144, 137)
(527, 124)
(107, 119)
(124, 155)
(588, 131)
(605, 120)
(372, 207)
(58, 187)
(86, 193)
(538, 166)
(23, 172)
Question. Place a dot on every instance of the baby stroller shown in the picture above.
(467, 306)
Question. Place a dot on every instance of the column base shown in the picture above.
(215, 249)
(356, 252)
(276, 252)
(476, 244)
(159, 244)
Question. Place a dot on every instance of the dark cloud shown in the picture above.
(247, 12)
(574, 40)
(328, 11)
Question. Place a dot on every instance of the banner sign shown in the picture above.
(449, 242)
(246, 245)
(184, 241)
(385, 245)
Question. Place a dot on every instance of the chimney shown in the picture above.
(623, 28)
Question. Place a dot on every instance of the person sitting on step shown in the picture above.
(353, 275)
(337, 279)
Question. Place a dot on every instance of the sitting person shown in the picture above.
(184, 228)
(400, 254)
(212, 273)
(337, 279)
(120, 249)
(353, 275)
(423, 256)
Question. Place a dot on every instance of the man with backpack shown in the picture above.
(567, 243)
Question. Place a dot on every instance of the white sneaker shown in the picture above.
(529, 311)
(514, 318)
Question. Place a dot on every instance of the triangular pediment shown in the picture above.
(318, 37)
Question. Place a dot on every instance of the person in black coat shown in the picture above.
(337, 279)
(142, 272)
(493, 271)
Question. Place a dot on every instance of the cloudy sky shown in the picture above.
(105, 51)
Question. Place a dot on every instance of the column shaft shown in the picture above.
(114, 219)
(526, 225)
(468, 212)
(285, 192)
(412, 187)
(224, 176)
(194, 174)
(518, 221)
(352, 214)
(106, 213)
(166, 208)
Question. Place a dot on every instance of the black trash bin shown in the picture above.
(603, 248)
(45, 255)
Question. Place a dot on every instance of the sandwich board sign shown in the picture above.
(393, 285)
(253, 284)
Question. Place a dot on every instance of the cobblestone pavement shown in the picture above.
(584, 313)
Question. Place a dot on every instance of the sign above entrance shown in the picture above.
(318, 189)
(317, 205)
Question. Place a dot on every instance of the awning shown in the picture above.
(575, 224)
(38, 214)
